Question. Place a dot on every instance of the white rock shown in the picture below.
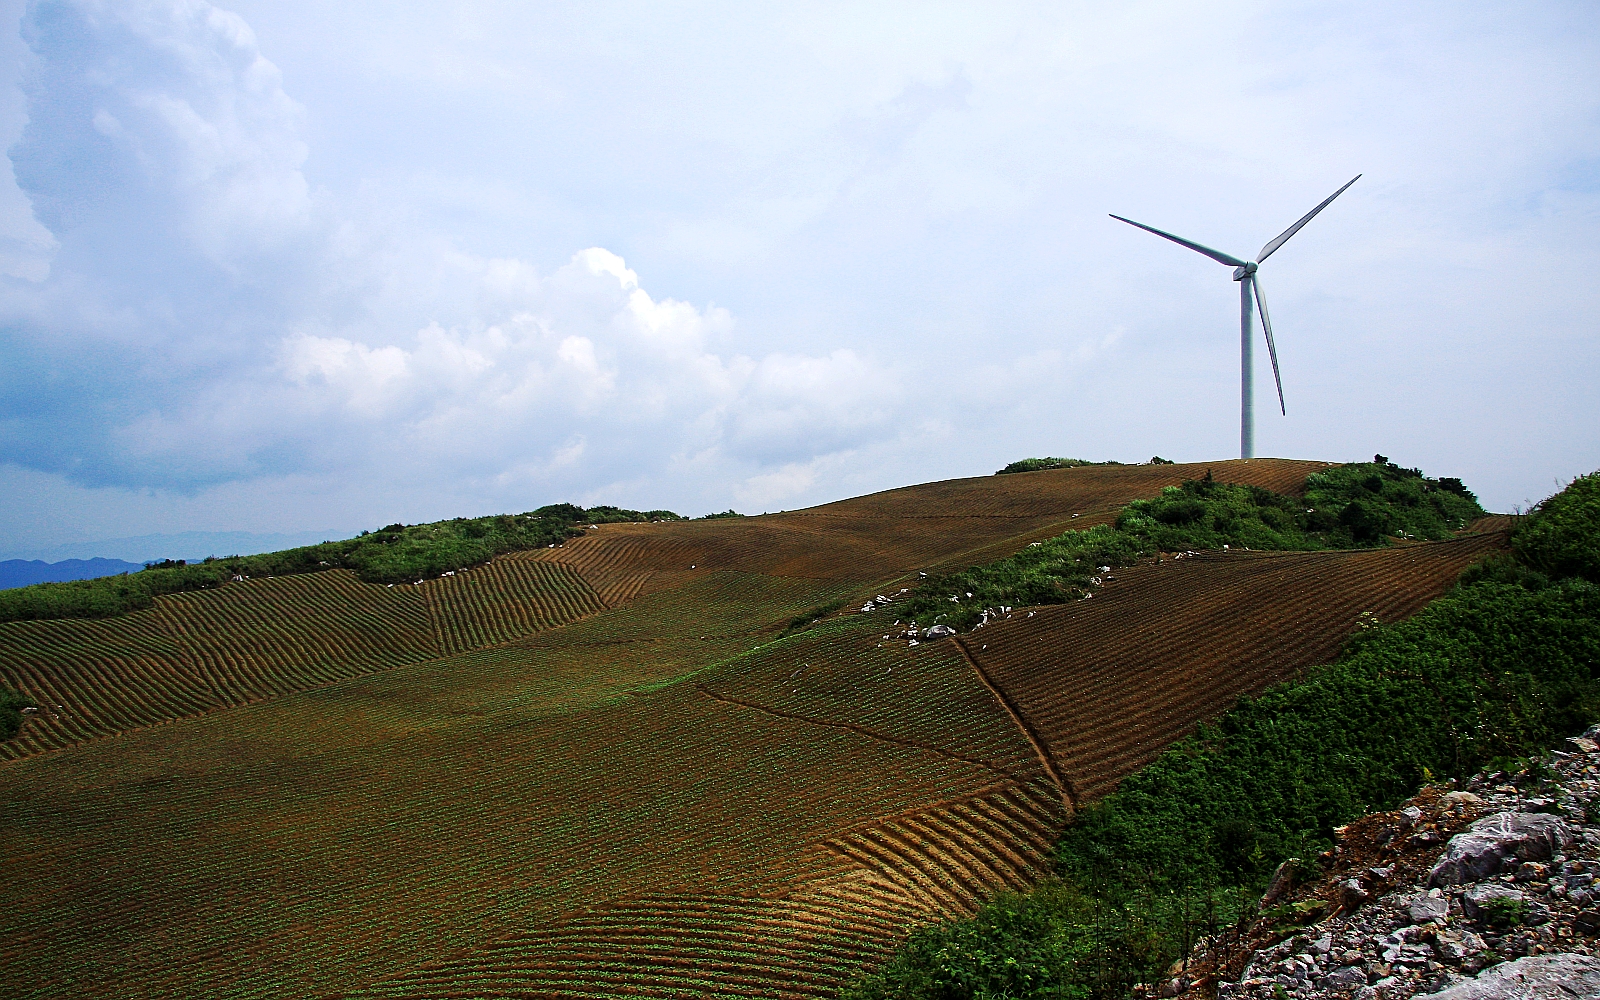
(1537, 977)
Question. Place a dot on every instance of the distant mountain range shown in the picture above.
(26, 572)
(191, 545)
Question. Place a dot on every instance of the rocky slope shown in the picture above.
(1486, 891)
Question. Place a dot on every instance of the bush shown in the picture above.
(1040, 464)
(1051, 572)
(11, 706)
(1562, 537)
(1358, 505)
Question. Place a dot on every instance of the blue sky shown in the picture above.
(283, 267)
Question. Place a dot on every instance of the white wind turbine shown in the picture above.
(1244, 272)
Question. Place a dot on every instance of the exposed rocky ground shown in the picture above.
(1472, 893)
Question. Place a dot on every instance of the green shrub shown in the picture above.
(397, 553)
(1358, 505)
(1014, 947)
(804, 621)
(1050, 572)
(11, 706)
(1040, 464)
(1562, 537)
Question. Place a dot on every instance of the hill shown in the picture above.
(26, 572)
(615, 766)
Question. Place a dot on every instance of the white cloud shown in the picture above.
(863, 247)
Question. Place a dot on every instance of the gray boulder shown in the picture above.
(1500, 842)
(1350, 977)
(937, 631)
(1538, 977)
(1428, 909)
(1478, 901)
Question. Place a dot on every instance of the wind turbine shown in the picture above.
(1244, 272)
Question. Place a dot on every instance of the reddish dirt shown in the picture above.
(883, 536)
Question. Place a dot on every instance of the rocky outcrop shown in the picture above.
(1538, 977)
(1478, 893)
(1498, 843)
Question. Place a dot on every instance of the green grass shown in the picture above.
(1501, 667)
(805, 620)
(1354, 506)
(396, 554)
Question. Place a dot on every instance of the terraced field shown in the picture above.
(603, 769)
(1167, 643)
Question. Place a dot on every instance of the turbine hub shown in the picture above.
(1239, 273)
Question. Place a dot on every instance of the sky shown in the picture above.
(297, 267)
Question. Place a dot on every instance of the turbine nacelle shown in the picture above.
(1245, 271)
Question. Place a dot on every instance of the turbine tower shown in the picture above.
(1245, 273)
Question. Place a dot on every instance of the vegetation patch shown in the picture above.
(1352, 506)
(398, 553)
(11, 706)
(801, 622)
(1493, 671)
(1040, 464)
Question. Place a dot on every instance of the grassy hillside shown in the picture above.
(1501, 667)
(398, 553)
(1365, 505)
(647, 761)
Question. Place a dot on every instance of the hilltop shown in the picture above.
(644, 756)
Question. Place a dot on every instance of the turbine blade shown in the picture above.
(1216, 255)
(1270, 248)
(1266, 327)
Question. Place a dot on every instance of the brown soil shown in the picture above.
(596, 770)
(1106, 683)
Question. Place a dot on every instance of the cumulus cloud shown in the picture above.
(209, 317)
(861, 249)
